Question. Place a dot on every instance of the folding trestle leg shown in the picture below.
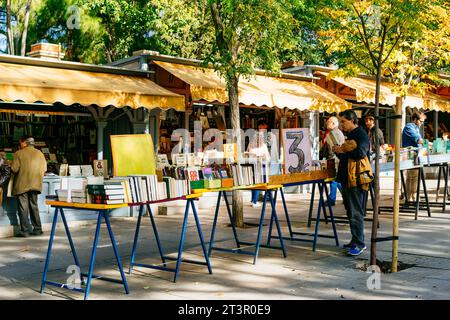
(256, 244)
(330, 208)
(189, 204)
(136, 238)
(90, 275)
(49, 254)
(311, 204)
(72, 247)
(292, 234)
(155, 231)
(425, 191)
(200, 235)
(116, 252)
(216, 215)
(273, 201)
(445, 171)
(232, 222)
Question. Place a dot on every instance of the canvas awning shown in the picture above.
(30, 84)
(206, 84)
(365, 92)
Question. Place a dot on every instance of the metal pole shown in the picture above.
(436, 125)
(396, 208)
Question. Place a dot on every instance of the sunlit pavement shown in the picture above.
(325, 274)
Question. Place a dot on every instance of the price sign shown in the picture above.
(297, 150)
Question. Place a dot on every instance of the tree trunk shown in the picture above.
(26, 21)
(10, 34)
(238, 212)
(376, 181)
(395, 214)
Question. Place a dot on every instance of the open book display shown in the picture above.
(146, 180)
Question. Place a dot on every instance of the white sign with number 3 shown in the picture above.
(297, 150)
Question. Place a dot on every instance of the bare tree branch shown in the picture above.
(25, 28)
(364, 36)
(9, 28)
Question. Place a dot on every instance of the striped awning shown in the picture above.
(31, 84)
(206, 84)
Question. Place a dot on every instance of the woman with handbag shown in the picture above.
(354, 174)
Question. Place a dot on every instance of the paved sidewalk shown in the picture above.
(324, 274)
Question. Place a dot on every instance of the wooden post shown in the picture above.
(395, 216)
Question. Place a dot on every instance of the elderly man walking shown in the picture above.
(333, 137)
(29, 166)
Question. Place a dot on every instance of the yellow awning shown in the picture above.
(206, 84)
(365, 92)
(50, 85)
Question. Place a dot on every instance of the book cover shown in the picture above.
(207, 173)
(101, 168)
(193, 175)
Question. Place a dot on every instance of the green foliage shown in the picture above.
(308, 47)
(406, 40)
(127, 25)
(81, 44)
(250, 34)
(183, 28)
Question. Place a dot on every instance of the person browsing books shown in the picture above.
(355, 148)
(29, 166)
(411, 137)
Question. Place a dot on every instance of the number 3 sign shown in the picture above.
(297, 150)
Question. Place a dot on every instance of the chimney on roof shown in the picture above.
(292, 64)
(46, 51)
(145, 52)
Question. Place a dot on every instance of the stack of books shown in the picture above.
(112, 192)
(79, 196)
(63, 195)
(72, 188)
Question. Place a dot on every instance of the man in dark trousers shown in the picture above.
(29, 166)
(353, 196)
(411, 137)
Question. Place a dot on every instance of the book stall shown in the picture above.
(436, 154)
(69, 116)
(144, 178)
(135, 183)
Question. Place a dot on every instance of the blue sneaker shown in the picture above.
(356, 250)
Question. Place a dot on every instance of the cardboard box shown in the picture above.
(213, 184)
(227, 183)
(200, 184)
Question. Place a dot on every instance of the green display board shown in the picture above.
(133, 154)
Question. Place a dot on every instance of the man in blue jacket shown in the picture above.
(411, 137)
(353, 196)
